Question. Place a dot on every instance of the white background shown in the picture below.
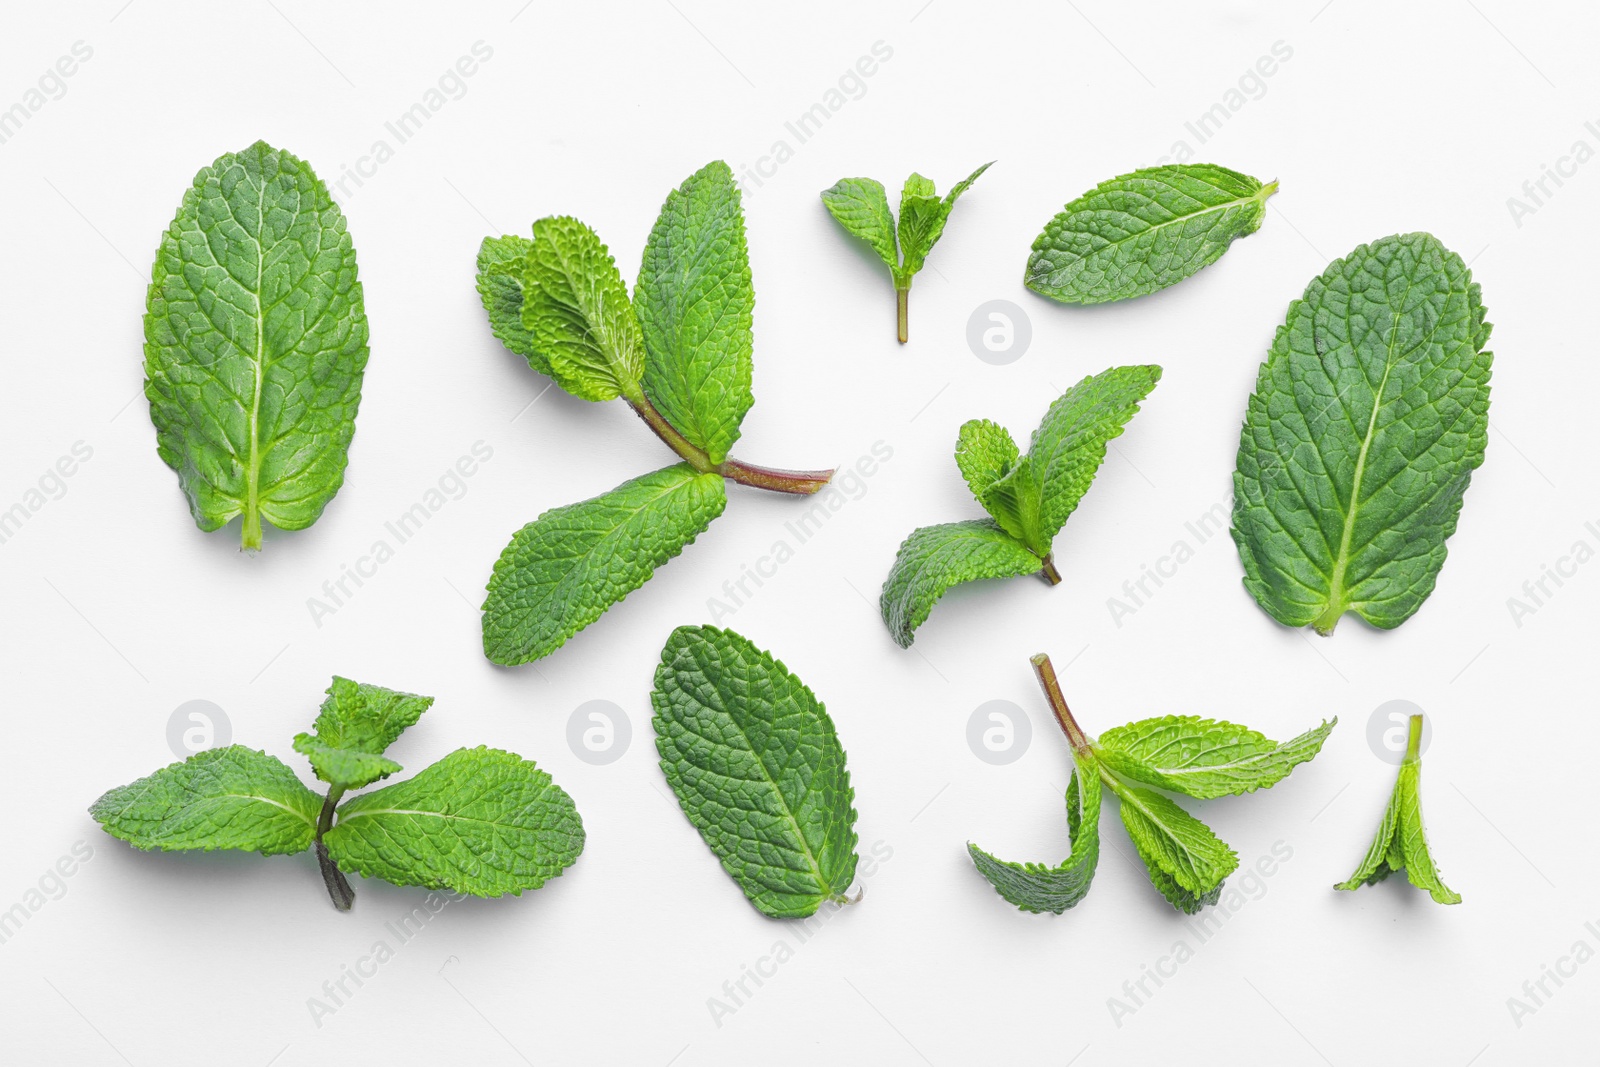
(1387, 117)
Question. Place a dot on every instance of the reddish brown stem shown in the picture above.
(1058, 704)
(800, 483)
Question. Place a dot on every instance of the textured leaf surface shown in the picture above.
(1143, 231)
(501, 263)
(576, 308)
(563, 570)
(934, 558)
(985, 453)
(1065, 452)
(1204, 758)
(862, 207)
(1185, 860)
(1401, 844)
(480, 821)
(923, 216)
(1038, 888)
(232, 797)
(757, 767)
(1369, 416)
(255, 343)
(695, 304)
(356, 724)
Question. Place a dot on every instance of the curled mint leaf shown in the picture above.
(1369, 416)
(1144, 231)
(1205, 758)
(356, 724)
(502, 265)
(935, 558)
(757, 767)
(1037, 888)
(1400, 844)
(255, 343)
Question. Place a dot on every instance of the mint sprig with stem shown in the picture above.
(678, 353)
(1185, 754)
(480, 821)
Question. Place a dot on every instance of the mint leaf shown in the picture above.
(480, 821)
(1179, 851)
(255, 343)
(757, 767)
(1037, 888)
(563, 570)
(695, 304)
(934, 558)
(862, 207)
(1400, 843)
(576, 309)
(1144, 231)
(501, 263)
(1368, 418)
(985, 453)
(356, 724)
(232, 797)
(1205, 758)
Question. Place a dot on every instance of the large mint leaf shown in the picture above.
(564, 569)
(255, 343)
(501, 263)
(756, 765)
(1038, 888)
(1185, 860)
(576, 309)
(695, 304)
(862, 207)
(480, 821)
(934, 558)
(1368, 418)
(1204, 758)
(356, 724)
(1144, 231)
(232, 797)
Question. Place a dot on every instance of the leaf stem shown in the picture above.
(800, 483)
(1058, 704)
(338, 887)
(663, 429)
(902, 301)
(1414, 739)
(1048, 572)
(250, 534)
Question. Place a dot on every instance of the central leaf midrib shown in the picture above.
(253, 477)
(1156, 227)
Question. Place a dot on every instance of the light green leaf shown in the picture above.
(480, 821)
(564, 569)
(576, 309)
(1204, 758)
(922, 220)
(1185, 860)
(255, 343)
(1066, 451)
(501, 263)
(1368, 418)
(232, 797)
(1400, 843)
(1144, 231)
(934, 558)
(695, 304)
(862, 208)
(357, 723)
(757, 767)
(1037, 888)
(985, 453)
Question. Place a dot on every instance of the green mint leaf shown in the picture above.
(862, 207)
(232, 797)
(1066, 451)
(255, 343)
(1185, 860)
(563, 570)
(1144, 231)
(922, 220)
(985, 453)
(757, 767)
(695, 304)
(576, 309)
(480, 821)
(934, 558)
(1204, 758)
(501, 263)
(1368, 418)
(356, 724)
(1400, 843)
(1037, 888)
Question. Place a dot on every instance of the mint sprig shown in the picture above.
(480, 821)
(678, 353)
(1029, 497)
(1400, 843)
(862, 207)
(1197, 757)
